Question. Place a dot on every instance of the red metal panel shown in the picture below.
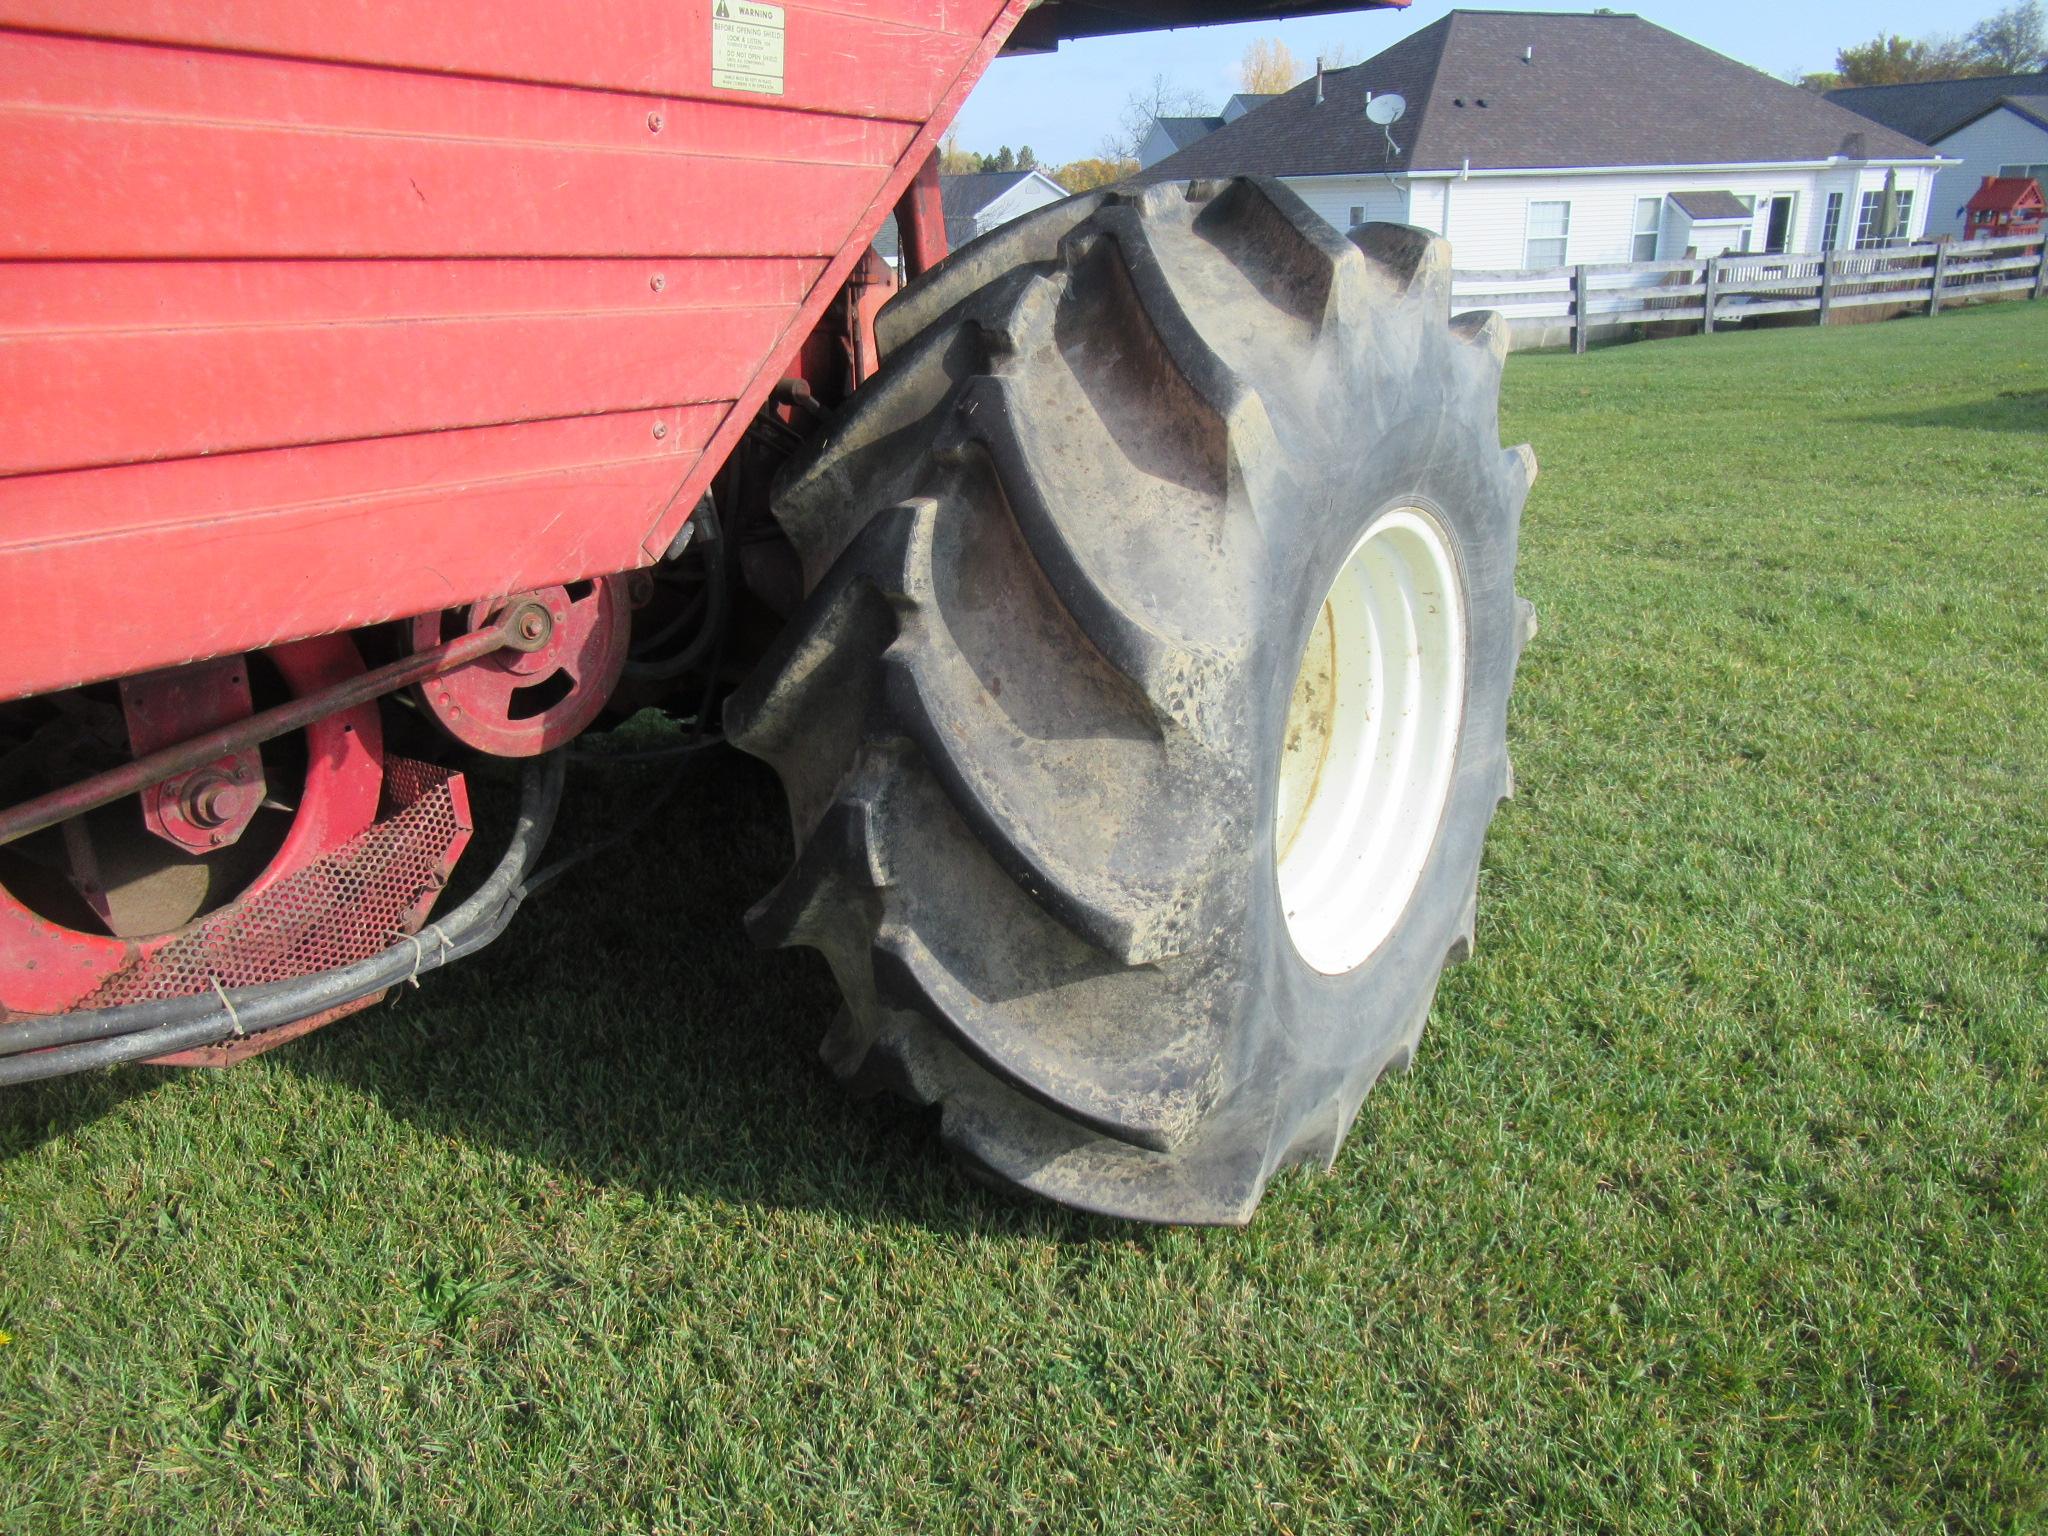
(100, 188)
(271, 262)
(352, 531)
(872, 65)
(218, 493)
(138, 295)
(87, 398)
(140, 83)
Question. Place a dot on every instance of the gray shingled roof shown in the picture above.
(2035, 107)
(1711, 205)
(1929, 110)
(965, 195)
(1183, 131)
(1595, 91)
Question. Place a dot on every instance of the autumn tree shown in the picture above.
(1086, 175)
(1267, 68)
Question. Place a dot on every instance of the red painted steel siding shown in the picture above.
(318, 314)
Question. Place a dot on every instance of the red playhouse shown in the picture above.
(2005, 207)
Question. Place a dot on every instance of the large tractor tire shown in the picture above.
(1145, 715)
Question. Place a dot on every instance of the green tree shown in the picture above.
(1026, 161)
(2013, 41)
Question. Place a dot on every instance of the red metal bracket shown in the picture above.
(211, 806)
(921, 221)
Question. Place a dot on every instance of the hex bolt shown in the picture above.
(203, 800)
(530, 627)
(657, 282)
(654, 122)
(661, 429)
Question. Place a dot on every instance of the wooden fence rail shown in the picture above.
(1724, 289)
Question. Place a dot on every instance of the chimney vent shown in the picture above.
(1319, 79)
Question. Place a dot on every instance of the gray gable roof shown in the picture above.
(1711, 205)
(965, 195)
(1931, 110)
(1183, 131)
(1593, 91)
(2035, 107)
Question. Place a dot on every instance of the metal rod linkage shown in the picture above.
(524, 625)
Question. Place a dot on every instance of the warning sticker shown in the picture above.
(746, 46)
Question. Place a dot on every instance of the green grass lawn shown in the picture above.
(1715, 1203)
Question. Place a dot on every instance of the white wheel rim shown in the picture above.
(1372, 737)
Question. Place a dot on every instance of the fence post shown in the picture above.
(1713, 291)
(1940, 273)
(1827, 284)
(2041, 272)
(1581, 321)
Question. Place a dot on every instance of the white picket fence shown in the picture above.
(1723, 289)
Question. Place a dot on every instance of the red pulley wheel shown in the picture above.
(522, 703)
(50, 961)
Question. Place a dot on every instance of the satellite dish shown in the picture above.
(1386, 110)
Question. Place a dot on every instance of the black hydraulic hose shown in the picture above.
(74, 1042)
(709, 630)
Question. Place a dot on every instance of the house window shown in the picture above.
(1869, 235)
(2025, 172)
(1549, 237)
(1649, 214)
(1831, 223)
(1357, 215)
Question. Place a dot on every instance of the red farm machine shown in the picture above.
(1126, 603)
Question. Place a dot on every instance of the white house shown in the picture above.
(977, 202)
(1168, 134)
(1995, 126)
(1536, 140)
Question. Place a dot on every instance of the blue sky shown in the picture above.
(1062, 104)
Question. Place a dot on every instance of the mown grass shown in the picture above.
(1717, 1202)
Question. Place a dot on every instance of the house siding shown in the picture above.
(1998, 138)
(1333, 197)
(1486, 217)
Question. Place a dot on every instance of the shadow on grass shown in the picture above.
(2010, 410)
(627, 1032)
(35, 1113)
